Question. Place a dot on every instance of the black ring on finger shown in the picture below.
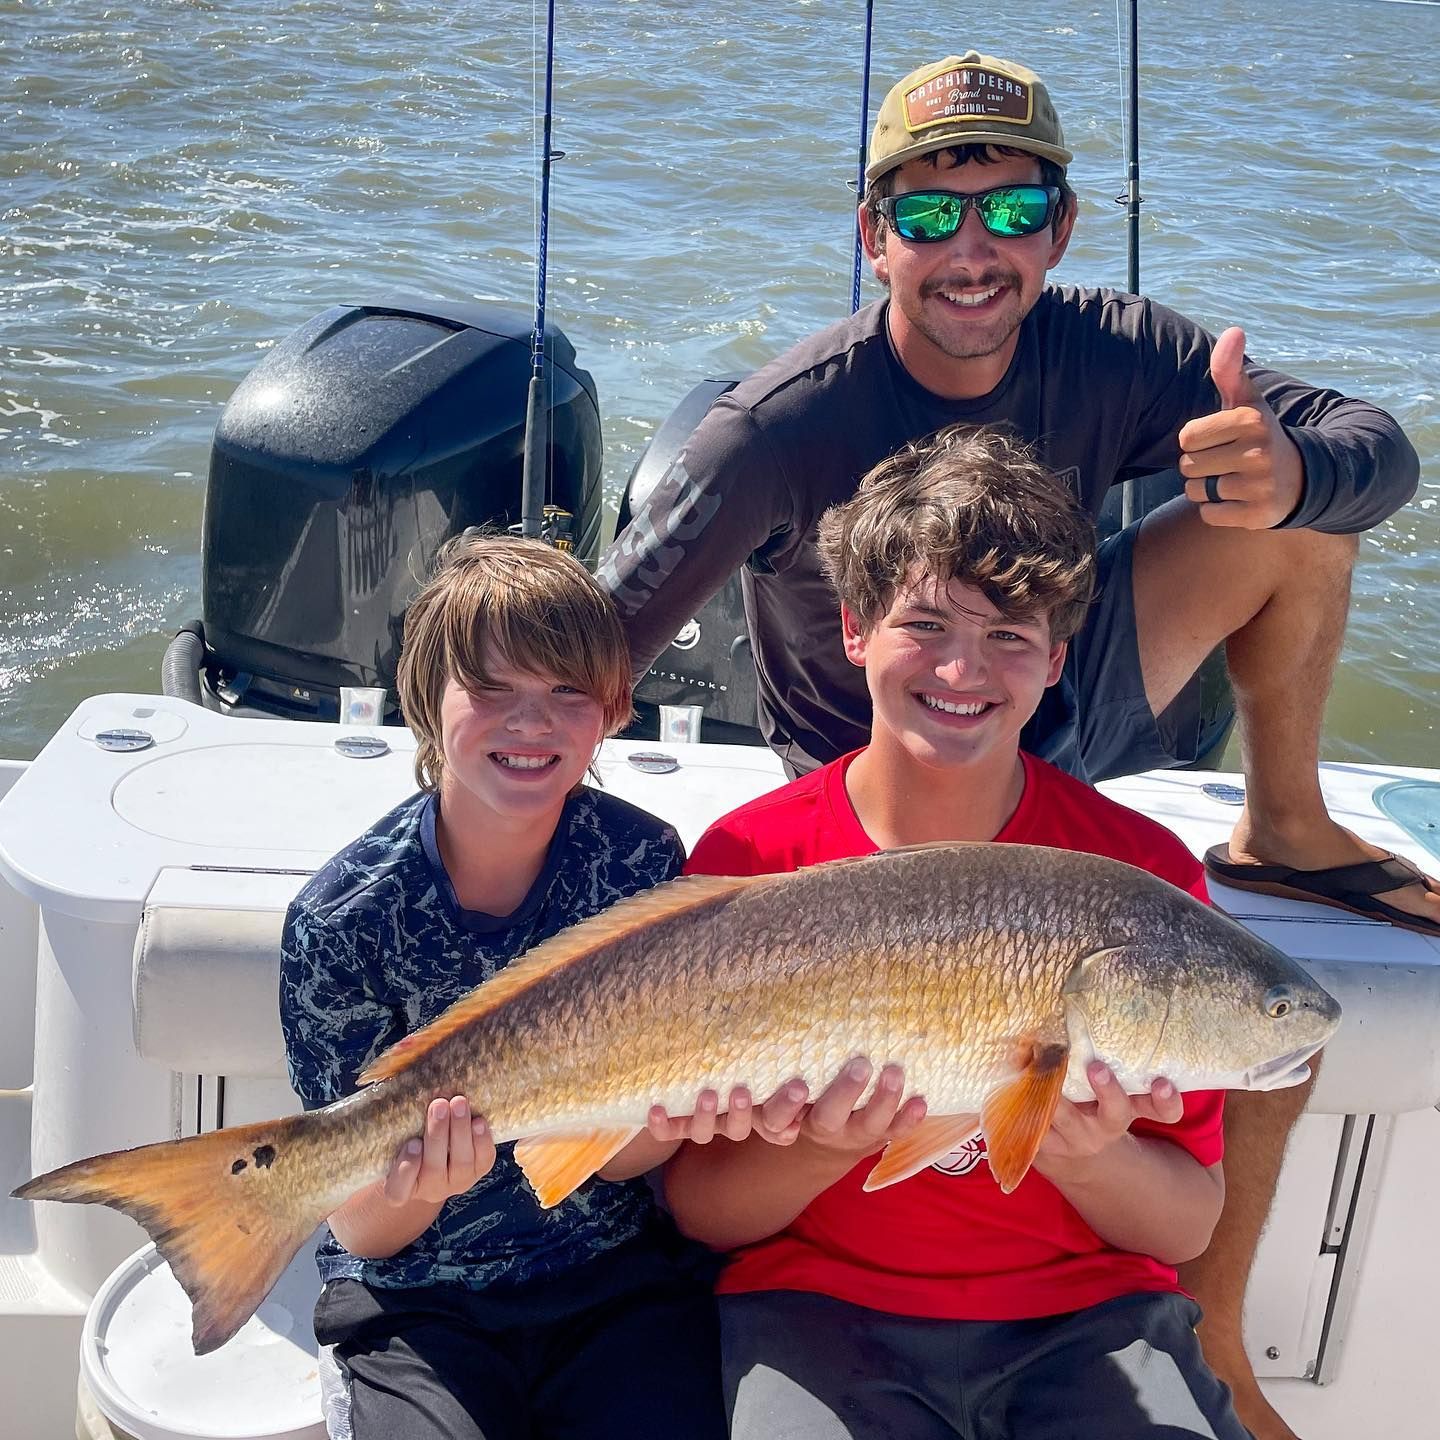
(1212, 490)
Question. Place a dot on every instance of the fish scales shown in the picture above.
(992, 973)
(792, 978)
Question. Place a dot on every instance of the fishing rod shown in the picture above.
(1131, 199)
(860, 164)
(535, 472)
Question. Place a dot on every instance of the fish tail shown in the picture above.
(225, 1209)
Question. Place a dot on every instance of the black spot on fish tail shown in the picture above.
(237, 1167)
(265, 1156)
(1050, 1056)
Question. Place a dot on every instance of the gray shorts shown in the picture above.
(1095, 722)
(799, 1366)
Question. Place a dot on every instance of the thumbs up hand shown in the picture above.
(1238, 464)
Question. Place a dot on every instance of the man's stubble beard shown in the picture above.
(975, 347)
(972, 344)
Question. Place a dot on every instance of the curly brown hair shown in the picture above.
(972, 504)
(537, 608)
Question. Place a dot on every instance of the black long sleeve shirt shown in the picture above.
(1100, 384)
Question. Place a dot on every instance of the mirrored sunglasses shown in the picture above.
(1009, 211)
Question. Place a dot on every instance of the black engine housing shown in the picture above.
(343, 461)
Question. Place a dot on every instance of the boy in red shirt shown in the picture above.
(940, 1306)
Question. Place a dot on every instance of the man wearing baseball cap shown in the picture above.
(966, 209)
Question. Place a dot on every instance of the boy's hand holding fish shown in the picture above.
(777, 1120)
(1091, 1157)
(833, 1133)
(833, 1121)
(455, 1151)
(1083, 1131)
(839, 1126)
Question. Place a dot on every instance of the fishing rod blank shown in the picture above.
(1132, 200)
(860, 168)
(535, 473)
(1132, 176)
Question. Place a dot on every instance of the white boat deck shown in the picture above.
(227, 816)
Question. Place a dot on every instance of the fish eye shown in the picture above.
(1279, 1002)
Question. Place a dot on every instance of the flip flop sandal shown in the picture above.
(1346, 887)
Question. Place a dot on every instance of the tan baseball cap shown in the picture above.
(968, 99)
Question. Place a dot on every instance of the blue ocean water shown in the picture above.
(182, 182)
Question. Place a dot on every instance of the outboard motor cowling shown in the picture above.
(357, 447)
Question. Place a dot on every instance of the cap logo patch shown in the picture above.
(966, 92)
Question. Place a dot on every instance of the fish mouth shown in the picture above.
(1282, 1072)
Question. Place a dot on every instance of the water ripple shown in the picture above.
(185, 181)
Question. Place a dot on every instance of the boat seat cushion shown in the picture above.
(206, 986)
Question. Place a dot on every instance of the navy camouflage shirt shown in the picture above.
(377, 945)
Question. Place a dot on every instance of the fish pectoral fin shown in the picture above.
(933, 1139)
(1016, 1115)
(555, 1165)
(1088, 970)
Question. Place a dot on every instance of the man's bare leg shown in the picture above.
(1278, 602)
(1257, 1127)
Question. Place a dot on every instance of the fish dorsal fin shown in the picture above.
(937, 845)
(690, 893)
(1016, 1114)
(844, 861)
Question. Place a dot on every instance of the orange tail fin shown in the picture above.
(227, 1210)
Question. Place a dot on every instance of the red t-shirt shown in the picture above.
(947, 1244)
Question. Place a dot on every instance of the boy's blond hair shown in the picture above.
(536, 607)
(969, 504)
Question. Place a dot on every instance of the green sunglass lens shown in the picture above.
(927, 217)
(1008, 211)
(1019, 210)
